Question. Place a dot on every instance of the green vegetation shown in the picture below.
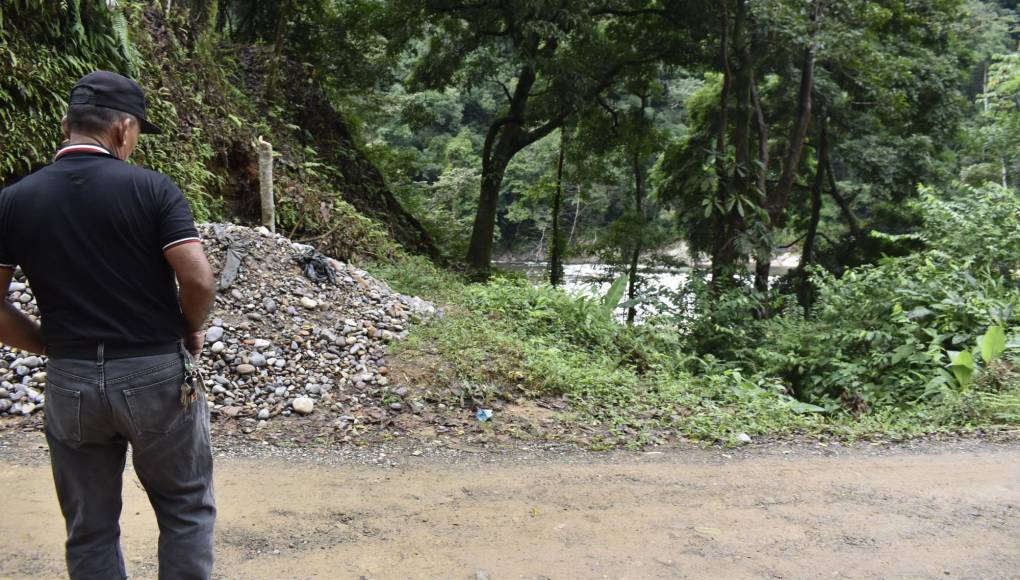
(876, 140)
(911, 345)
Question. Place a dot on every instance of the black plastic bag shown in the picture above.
(316, 266)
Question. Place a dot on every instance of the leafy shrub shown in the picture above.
(885, 334)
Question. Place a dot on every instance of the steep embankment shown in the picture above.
(211, 99)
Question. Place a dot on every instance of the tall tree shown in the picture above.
(551, 60)
(557, 246)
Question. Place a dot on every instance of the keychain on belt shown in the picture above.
(192, 381)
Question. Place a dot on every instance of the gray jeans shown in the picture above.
(94, 409)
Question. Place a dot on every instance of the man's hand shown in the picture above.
(194, 341)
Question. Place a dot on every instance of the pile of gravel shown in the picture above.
(279, 342)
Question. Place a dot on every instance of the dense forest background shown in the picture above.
(877, 140)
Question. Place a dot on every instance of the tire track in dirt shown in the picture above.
(952, 514)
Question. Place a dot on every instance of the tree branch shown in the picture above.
(612, 111)
(551, 125)
(844, 206)
(490, 138)
(665, 14)
(506, 90)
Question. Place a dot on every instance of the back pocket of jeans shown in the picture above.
(63, 413)
(156, 409)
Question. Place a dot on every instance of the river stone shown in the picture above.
(308, 303)
(32, 362)
(218, 347)
(303, 405)
(261, 343)
(214, 334)
(263, 414)
(245, 369)
(257, 359)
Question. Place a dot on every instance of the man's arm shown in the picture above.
(197, 289)
(16, 328)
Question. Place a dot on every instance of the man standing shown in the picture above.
(101, 242)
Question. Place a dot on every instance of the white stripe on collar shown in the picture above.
(81, 148)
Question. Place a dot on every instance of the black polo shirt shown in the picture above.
(89, 231)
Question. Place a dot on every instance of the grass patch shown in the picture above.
(510, 339)
(632, 386)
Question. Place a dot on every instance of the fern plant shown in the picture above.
(128, 51)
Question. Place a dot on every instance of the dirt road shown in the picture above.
(943, 512)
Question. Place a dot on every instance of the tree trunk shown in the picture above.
(632, 271)
(504, 139)
(740, 180)
(807, 256)
(577, 215)
(743, 179)
(777, 199)
(763, 265)
(636, 252)
(556, 255)
(222, 22)
(777, 205)
(848, 213)
(479, 255)
(723, 256)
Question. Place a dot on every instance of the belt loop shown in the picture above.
(99, 354)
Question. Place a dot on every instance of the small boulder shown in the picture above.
(303, 405)
(214, 334)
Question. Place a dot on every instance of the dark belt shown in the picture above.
(111, 351)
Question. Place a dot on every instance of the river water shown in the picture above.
(659, 285)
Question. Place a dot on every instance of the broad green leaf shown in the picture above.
(802, 408)
(614, 295)
(962, 368)
(992, 344)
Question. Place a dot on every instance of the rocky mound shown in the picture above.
(292, 332)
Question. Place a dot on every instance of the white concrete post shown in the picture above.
(266, 183)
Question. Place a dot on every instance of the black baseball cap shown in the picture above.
(113, 91)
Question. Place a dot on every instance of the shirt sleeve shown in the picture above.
(176, 224)
(6, 252)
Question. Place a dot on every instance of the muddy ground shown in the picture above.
(920, 510)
